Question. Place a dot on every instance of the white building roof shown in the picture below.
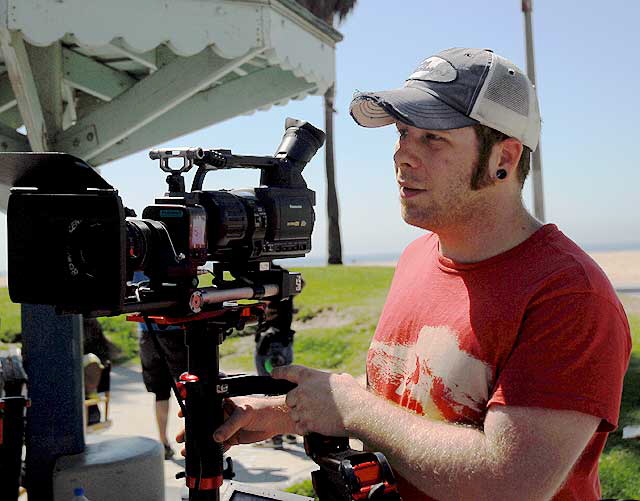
(102, 79)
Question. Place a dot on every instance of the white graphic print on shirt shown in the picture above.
(433, 377)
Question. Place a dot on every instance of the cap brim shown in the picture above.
(409, 105)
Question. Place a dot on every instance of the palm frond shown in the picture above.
(328, 9)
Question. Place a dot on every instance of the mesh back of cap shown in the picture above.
(507, 102)
(509, 88)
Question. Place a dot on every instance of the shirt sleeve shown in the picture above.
(572, 353)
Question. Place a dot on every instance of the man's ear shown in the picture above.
(510, 151)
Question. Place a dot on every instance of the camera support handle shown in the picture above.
(203, 390)
(344, 474)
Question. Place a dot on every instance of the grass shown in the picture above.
(124, 335)
(304, 488)
(353, 295)
(10, 327)
(620, 461)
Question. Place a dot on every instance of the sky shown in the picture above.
(588, 76)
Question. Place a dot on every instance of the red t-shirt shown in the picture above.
(538, 325)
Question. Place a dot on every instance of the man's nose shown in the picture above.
(403, 157)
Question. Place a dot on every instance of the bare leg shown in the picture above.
(162, 416)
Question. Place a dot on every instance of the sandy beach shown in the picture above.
(622, 267)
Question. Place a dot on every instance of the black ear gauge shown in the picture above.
(501, 173)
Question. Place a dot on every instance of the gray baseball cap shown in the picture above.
(456, 88)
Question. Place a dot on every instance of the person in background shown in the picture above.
(274, 348)
(98, 352)
(497, 365)
(158, 371)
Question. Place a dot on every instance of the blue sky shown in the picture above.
(588, 78)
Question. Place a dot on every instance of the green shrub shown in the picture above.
(353, 294)
(304, 488)
(123, 334)
(10, 325)
(620, 472)
(620, 461)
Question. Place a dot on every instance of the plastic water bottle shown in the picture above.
(78, 494)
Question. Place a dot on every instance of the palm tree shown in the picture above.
(327, 10)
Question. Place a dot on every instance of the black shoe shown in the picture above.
(93, 415)
(168, 451)
(290, 439)
(271, 443)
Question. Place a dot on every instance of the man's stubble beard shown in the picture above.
(433, 217)
(427, 218)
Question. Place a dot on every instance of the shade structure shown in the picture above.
(101, 80)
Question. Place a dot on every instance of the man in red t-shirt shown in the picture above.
(537, 326)
(496, 369)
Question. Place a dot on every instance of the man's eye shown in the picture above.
(432, 137)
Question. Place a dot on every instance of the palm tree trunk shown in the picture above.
(335, 244)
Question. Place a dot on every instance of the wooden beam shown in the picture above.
(86, 104)
(94, 78)
(46, 66)
(147, 59)
(236, 97)
(24, 88)
(151, 98)
(70, 116)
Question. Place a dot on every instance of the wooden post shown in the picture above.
(333, 216)
(536, 157)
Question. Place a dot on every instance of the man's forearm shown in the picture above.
(520, 453)
(446, 461)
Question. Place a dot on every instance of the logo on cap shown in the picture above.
(435, 69)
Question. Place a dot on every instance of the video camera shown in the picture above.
(66, 220)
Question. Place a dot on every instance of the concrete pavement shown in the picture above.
(132, 412)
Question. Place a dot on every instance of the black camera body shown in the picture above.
(72, 243)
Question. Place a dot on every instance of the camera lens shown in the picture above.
(138, 244)
(83, 249)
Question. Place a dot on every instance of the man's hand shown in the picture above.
(322, 402)
(248, 420)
